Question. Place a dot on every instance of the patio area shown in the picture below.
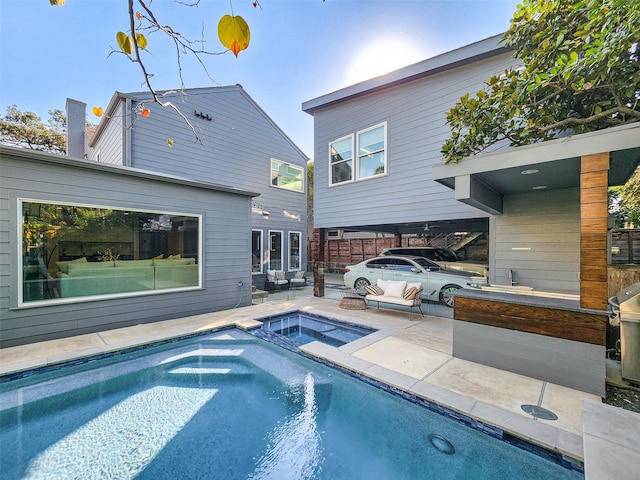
(414, 356)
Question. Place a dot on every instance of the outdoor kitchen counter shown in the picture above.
(549, 338)
(532, 299)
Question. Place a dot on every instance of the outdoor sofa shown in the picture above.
(395, 292)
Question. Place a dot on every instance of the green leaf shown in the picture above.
(233, 33)
(125, 43)
(142, 41)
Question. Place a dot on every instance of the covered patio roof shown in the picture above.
(482, 181)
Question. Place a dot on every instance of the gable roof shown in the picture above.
(145, 95)
(473, 52)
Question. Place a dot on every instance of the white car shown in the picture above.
(442, 256)
(437, 283)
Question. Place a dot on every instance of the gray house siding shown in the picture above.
(235, 148)
(538, 239)
(110, 146)
(415, 116)
(226, 243)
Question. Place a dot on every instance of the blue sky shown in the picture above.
(299, 49)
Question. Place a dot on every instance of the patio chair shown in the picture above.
(276, 280)
(298, 279)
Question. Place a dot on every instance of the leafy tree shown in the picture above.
(26, 130)
(624, 202)
(580, 73)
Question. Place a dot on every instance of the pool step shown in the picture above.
(213, 370)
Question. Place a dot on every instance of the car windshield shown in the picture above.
(425, 263)
(448, 255)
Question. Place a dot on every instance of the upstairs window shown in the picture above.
(341, 163)
(370, 161)
(371, 149)
(287, 176)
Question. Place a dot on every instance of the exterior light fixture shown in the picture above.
(530, 171)
(539, 187)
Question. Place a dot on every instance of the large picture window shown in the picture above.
(370, 160)
(294, 250)
(73, 251)
(287, 176)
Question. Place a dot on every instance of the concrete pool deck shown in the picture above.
(414, 356)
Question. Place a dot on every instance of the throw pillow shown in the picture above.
(280, 275)
(410, 293)
(299, 274)
(374, 290)
(395, 288)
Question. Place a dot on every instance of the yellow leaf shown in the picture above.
(59, 3)
(125, 43)
(138, 15)
(142, 41)
(234, 33)
(97, 111)
(145, 112)
(170, 142)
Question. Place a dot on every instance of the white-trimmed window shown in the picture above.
(294, 250)
(341, 160)
(370, 160)
(256, 251)
(371, 152)
(71, 251)
(275, 250)
(287, 176)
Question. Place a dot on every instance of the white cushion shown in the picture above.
(382, 284)
(395, 288)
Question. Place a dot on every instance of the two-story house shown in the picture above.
(227, 139)
(378, 167)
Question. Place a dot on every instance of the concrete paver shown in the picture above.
(412, 355)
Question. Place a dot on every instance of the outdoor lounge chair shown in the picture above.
(298, 279)
(276, 280)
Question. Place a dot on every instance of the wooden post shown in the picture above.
(318, 266)
(594, 180)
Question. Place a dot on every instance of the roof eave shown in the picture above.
(465, 55)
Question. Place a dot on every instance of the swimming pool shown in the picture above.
(227, 405)
(303, 327)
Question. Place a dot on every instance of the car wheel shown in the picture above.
(361, 284)
(445, 294)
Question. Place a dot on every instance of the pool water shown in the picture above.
(302, 328)
(228, 405)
